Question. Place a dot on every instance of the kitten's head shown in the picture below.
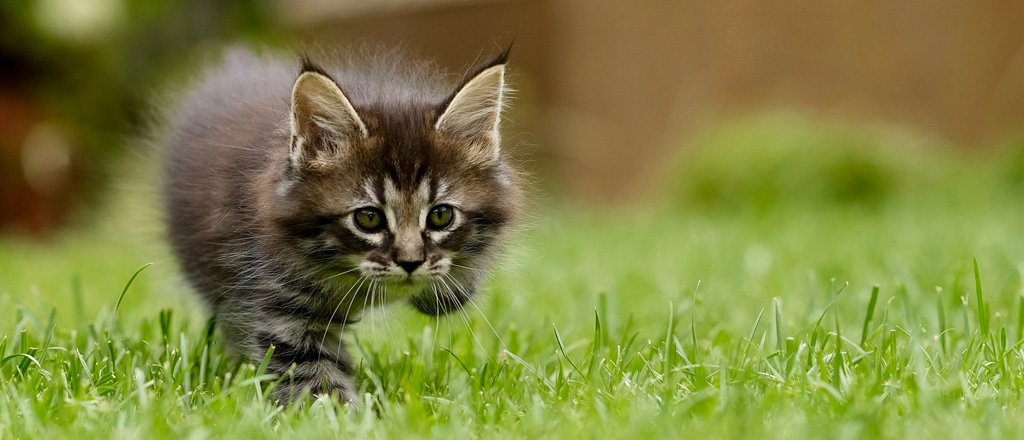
(412, 194)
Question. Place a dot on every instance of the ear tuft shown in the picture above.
(323, 121)
(308, 65)
(473, 113)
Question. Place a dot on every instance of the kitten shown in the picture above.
(299, 196)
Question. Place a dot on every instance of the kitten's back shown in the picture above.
(225, 134)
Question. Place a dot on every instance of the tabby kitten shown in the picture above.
(297, 197)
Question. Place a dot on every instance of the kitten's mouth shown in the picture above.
(405, 280)
(409, 280)
(404, 286)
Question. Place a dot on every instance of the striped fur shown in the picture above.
(269, 162)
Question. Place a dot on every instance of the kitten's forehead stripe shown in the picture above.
(423, 203)
(424, 191)
(391, 202)
(403, 141)
(378, 190)
(371, 192)
(442, 190)
(391, 194)
(421, 171)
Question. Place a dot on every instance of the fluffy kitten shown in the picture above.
(299, 196)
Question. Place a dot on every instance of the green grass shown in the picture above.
(770, 302)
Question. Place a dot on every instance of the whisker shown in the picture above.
(481, 312)
(350, 303)
(340, 274)
(384, 310)
(437, 316)
(466, 319)
(327, 327)
(474, 269)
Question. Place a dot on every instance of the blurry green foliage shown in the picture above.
(763, 162)
(1009, 158)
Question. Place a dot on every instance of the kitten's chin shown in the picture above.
(404, 287)
(433, 304)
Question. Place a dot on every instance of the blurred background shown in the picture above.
(615, 101)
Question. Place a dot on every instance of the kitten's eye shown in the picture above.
(369, 219)
(440, 217)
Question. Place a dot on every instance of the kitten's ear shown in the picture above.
(474, 111)
(323, 121)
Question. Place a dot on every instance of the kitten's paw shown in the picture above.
(286, 394)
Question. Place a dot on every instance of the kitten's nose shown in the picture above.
(410, 266)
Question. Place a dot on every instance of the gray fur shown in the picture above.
(270, 238)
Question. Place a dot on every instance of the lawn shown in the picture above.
(790, 279)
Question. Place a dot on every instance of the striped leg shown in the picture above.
(304, 357)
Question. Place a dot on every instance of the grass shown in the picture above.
(717, 312)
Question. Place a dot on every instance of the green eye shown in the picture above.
(369, 219)
(440, 217)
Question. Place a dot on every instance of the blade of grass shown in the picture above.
(982, 310)
(1020, 319)
(598, 344)
(561, 347)
(780, 339)
(129, 284)
(867, 317)
(260, 372)
(942, 320)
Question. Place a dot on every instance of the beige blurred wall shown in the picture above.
(609, 88)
